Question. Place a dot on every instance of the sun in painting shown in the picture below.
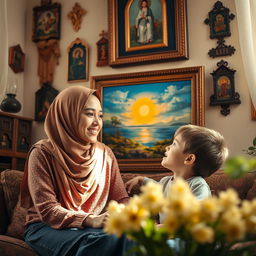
(143, 111)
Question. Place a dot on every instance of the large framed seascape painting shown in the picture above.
(143, 110)
(146, 31)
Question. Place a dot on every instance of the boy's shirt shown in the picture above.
(197, 184)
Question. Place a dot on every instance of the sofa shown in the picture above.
(12, 216)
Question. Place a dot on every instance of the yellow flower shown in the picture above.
(179, 188)
(231, 215)
(228, 198)
(210, 209)
(202, 233)
(135, 214)
(115, 207)
(171, 223)
(152, 197)
(234, 230)
(116, 223)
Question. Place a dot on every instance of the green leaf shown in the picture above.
(254, 142)
(236, 167)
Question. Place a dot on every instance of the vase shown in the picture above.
(10, 104)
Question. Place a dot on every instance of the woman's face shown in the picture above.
(144, 4)
(91, 119)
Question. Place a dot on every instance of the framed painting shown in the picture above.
(143, 110)
(78, 61)
(16, 59)
(44, 97)
(146, 31)
(46, 22)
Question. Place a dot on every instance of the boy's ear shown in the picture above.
(190, 159)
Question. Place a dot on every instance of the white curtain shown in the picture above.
(246, 19)
(3, 48)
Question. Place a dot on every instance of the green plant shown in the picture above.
(251, 150)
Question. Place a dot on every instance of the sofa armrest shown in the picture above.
(10, 246)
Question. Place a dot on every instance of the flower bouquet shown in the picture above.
(215, 226)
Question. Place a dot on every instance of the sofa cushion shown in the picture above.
(252, 192)
(17, 226)
(10, 246)
(4, 220)
(219, 181)
(10, 180)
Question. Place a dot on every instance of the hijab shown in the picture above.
(76, 161)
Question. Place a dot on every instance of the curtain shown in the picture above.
(246, 19)
(3, 48)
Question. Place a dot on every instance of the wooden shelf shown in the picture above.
(15, 140)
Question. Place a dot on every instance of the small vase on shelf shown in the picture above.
(10, 103)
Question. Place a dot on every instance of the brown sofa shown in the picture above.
(12, 216)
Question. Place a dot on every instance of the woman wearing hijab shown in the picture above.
(69, 179)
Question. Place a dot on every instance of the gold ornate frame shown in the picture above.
(194, 74)
(141, 56)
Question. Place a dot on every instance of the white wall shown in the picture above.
(237, 128)
(16, 10)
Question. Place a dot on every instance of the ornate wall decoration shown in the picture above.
(76, 16)
(224, 88)
(219, 22)
(102, 50)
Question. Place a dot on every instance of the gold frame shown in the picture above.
(194, 74)
(253, 112)
(77, 42)
(127, 30)
(180, 51)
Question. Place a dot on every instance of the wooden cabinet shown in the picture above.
(15, 140)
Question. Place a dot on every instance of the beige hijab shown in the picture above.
(76, 161)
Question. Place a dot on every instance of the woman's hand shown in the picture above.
(96, 221)
(133, 182)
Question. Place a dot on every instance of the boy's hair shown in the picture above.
(207, 145)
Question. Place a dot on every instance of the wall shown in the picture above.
(16, 13)
(237, 128)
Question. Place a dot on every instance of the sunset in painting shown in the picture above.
(140, 120)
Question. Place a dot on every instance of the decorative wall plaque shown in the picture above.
(224, 88)
(219, 22)
(76, 16)
(102, 50)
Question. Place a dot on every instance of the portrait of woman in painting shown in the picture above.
(77, 67)
(146, 21)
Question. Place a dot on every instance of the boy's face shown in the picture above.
(174, 157)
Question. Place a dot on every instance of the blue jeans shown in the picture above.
(47, 241)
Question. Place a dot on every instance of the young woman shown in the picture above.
(69, 179)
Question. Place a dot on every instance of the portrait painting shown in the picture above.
(44, 97)
(16, 59)
(142, 111)
(146, 24)
(78, 61)
(219, 21)
(223, 87)
(46, 22)
(146, 31)
(102, 52)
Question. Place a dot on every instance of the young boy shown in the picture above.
(196, 153)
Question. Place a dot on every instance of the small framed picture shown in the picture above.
(77, 61)
(46, 22)
(102, 51)
(224, 87)
(16, 59)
